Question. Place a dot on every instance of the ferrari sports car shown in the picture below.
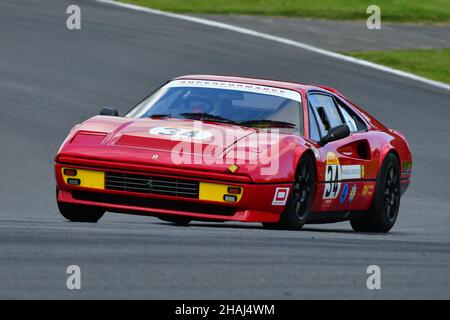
(220, 148)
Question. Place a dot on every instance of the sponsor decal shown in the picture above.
(333, 175)
(351, 172)
(181, 133)
(406, 167)
(352, 193)
(344, 193)
(280, 197)
(332, 158)
(245, 87)
(368, 190)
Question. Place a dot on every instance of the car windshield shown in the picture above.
(227, 102)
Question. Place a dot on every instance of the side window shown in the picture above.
(314, 133)
(354, 122)
(351, 123)
(327, 110)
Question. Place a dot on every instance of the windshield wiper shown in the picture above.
(159, 116)
(267, 123)
(211, 117)
(206, 116)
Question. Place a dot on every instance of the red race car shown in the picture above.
(217, 148)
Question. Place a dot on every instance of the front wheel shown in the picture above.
(80, 213)
(297, 210)
(383, 212)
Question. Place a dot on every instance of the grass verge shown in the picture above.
(415, 11)
(432, 64)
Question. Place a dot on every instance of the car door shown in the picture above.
(365, 146)
(341, 164)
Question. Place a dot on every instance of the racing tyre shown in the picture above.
(383, 212)
(80, 213)
(297, 210)
(179, 221)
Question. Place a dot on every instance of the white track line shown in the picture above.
(286, 41)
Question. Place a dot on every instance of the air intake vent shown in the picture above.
(151, 184)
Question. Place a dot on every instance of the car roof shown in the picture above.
(259, 81)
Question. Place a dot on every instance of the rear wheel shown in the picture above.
(383, 212)
(80, 213)
(178, 220)
(297, 210)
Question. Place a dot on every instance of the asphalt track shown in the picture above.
(343, 36)
(52, 78)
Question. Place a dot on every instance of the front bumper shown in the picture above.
(255, 203)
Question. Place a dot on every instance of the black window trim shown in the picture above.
(302, 117)
(313, 112)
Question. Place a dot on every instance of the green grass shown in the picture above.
(424, 11)
(433, 64)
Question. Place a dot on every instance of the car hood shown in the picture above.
(174, 144)
(176, 135)
(146, 140)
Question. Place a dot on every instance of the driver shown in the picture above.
(199, 101)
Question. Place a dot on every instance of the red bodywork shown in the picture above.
(122, 145)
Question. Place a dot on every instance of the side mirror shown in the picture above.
(336, 133)
(106, 111)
